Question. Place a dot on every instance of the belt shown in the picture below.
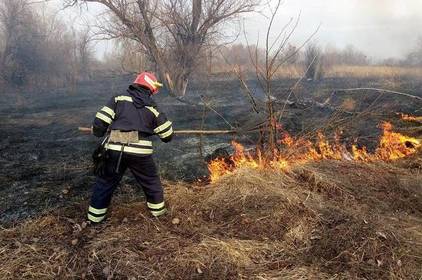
(142, 147)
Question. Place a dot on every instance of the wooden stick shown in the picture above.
(201, 132)
(381, 90)
(209, 132)
(85, 129)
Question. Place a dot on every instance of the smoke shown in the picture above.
(390, 8)
(380, 28)
(392, 26)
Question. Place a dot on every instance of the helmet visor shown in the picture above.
(157, 84)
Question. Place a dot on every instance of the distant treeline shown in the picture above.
(128, 58)
(240, 54)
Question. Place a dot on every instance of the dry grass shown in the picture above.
(390, 73)
(327, 220)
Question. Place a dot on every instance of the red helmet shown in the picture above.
(149, 81)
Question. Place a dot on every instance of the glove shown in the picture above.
(99, 158)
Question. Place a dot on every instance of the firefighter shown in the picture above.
(129, 120)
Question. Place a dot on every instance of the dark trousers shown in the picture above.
(145, 173)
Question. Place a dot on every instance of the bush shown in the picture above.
(313, 63)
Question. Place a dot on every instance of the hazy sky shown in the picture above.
(381, 28)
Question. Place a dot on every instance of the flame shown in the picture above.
(392, 146)
(410, 118)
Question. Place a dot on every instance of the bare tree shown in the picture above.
(277, 52)
(415, 57)
(313, 62)
(172, 32)
(84, 49)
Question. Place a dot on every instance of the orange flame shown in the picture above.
(410, 118)
(392, 146)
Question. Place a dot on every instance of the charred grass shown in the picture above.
(325, 220)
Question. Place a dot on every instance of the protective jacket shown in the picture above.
(133, 111)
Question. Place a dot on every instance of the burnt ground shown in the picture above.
(45, 161)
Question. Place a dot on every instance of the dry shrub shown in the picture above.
(413, 162)
(324, 220)
(251, 204)
(218, 259)
(32, 249)
(299, 273)
(319, 182)
(367, 247)
(346, 240)
(381, 185)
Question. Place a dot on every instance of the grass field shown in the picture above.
(340, 71)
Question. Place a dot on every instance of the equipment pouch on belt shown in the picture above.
(123, 138)
(99, 158)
